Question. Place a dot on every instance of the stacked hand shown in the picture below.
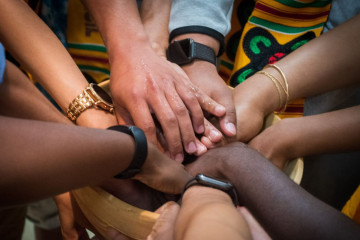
(144, 84)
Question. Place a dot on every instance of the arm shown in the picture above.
(142, 83)
(336, 131)
(68, 147)
(206, 23)
(283, 208)
(205, 213)
(307, 74)
(208, 213)
(155, 18)
(79, 157)
(33, 44)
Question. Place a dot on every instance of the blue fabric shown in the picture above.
(54, 14)
(2, 62)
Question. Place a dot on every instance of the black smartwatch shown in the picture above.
(187, 50)
(202, 180)
(141, 149)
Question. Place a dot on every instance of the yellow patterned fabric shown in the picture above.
(273, 30)
(352, 207)
(85, 43)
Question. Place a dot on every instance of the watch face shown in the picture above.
(186, 46)
(181, 52)
(225, 186)
(101, 92)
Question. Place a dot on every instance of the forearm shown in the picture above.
(44, 159)
(34, 45)
(120, 25)
(307, 72)
(39, 51)
(284, 209)
(155, 18)
(336, 131)
(21, 99)
(208, 213)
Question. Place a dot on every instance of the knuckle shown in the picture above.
(148, 127)
(181, 111)
(171, 120)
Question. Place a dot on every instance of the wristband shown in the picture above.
(202, 180)
(141, 149)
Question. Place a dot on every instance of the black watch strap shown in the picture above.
(185, 51)
(203, 52)
(203, 180)
(141, 149)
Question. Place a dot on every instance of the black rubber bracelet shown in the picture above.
(141, 149)
(203, 30)
(202, 180)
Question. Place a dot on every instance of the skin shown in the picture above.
(18, 98)
(269, 194)
(94, 148)
(56, 72)
(318, 78)
(205, 213)
(156, 86)
(308, 136)
(205, 76)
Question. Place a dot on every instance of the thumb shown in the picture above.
(164, 226)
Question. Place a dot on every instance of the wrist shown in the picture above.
(200, 195)
(201, 38)
(259, 93)
(96, 118)
(127, 48)
(201, 67)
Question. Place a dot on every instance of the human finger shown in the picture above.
(184, 122)
(170, 126)
(164, 226)
(228, 121)
(114, 234)
(142, 118)
(208, 104)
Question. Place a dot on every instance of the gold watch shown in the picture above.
(92, 96)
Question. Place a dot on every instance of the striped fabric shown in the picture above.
(85, 43)
(273, 30)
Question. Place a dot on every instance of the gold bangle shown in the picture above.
(286, 87)
(275, 81)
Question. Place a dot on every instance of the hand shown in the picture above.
(249, 117)
(214, 161)
(162, 173)
(278, 142)
(205, 76)
(164, 226)
(145, 83)
(136, 193)
(69, 228)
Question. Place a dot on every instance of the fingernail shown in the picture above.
(179, 157)
(192, 147)
(201, 148)
(214, 134)
(220, 109)
(201, 129)
(231, 128)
